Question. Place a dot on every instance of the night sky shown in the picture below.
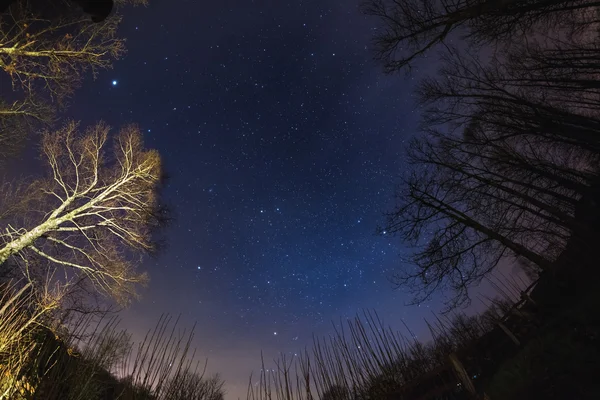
(283, 141)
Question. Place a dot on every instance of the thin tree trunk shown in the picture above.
(457, 215)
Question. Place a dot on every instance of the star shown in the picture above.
(232, 154)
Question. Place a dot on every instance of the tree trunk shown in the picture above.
(24, 241)
(457, 215)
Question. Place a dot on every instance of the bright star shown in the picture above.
(114, 83)
(275, 333)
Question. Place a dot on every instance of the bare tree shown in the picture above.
(468, 91)
(411, 29)
(18, 119)
(54, 53)
(565, 73)
(457, 244)
(367, 360)
(475, 200)
(336, 392)
(93, 213)
(189, 385)
(46, 51)
(509, 152)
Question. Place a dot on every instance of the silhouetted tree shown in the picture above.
(473, 201)
(508, 153)
(558, 72)
(98, 10)
(411, 29)
(457, 242)
(468, 93)
(188, 385)
(336, 392)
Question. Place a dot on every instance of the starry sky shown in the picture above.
(283, 141)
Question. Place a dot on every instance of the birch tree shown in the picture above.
(53, 54)
(93, 214)
(46, 51)
(18, 119)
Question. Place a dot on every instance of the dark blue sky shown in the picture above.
(283, 140)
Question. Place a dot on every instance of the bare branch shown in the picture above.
(95, 210)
